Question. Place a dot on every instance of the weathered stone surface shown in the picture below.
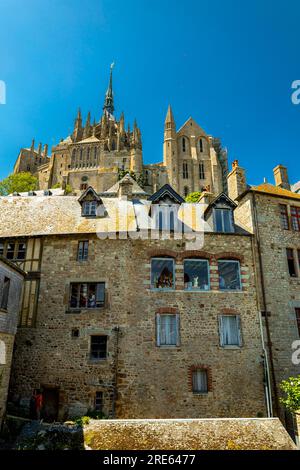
(196, 434)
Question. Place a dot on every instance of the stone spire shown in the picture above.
(77, 133)
(87, 128)
(170, 121)
(109, 96)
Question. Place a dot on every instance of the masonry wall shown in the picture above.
(140, 379)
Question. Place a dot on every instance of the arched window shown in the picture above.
(171, 221)
(201, 171)
(81, 153)
(200, 145)
(113, 145)
(186, 191)
(88, 153)
(183, 144)
(185, 170)
(2, 353)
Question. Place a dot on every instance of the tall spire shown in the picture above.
(170, 118)
(109, 96)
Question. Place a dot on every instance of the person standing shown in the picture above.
(38, 404)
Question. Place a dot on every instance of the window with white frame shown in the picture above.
(89, 208)
(223, 220)
(196, 274)
(167, 329)
(230, 330)
(200, 381)
(162, 273)
(83, 250)
(229, 275)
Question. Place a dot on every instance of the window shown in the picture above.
(183, 144)
(89, 208)
(87, 295)
(162, 273)
(1, 248)
(291, 261)
(167, 333)
(284, 216)
(223, 220)
(297, 311)
(200, 382)
(5, 293)
(229, 275)
(98, 347)
(75, 333)
(201, 145)
(186, 191)
(196, 275)
(201, 171)
(21, 251)
(99, 401)
(185, 170)
(83, 250)
(230, 330)
(83, 186)
(295, 216)
(10, 251)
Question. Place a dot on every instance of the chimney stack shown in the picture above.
(236, 180)
(46, 150)
(125, 188)
(281, 177)
(40, 148)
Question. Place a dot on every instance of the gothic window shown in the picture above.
(87, 295)
(162, 273)
(230, 330)
(88, 154)
(99, 401)
(81, 154)
(186, 191)
(284, 216)
(185, 170)
(229, 275)
(291, 262)
(98, 347)
(297, 311)
(167, 329)
(196, 274)
(5, 293)
(201, 145)
(183, 144)
(200, 381)
(201, 171)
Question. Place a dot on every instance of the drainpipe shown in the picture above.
(262, 280)
(267, 381)
(115, 384)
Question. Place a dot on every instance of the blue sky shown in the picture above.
(227, 63)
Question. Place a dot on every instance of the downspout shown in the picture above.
(267, 382)
(262, 279)
(116, 362)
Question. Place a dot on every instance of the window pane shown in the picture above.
(219, 224)
(291, 262)
(295, 214)
(168, 333)
(83, 251)
(223, 220)
(227, 220)
(297, 311)
(98, 347)
(74, 296)
(100, 294)
(200, 381)
(21, 254)
(99, 401)
(1, 248)
(5, 293)
(10, 251)
(162, 276)
(230, 330)
(284, 217)
(196, 275)
(229, 275)
(83, 295)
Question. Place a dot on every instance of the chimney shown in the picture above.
(46, 150)
(125, 188)
(236, 180)
(32, 146)
(281, 177)
(40, 148)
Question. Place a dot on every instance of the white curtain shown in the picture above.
(200, 381)
(168, 332)
(230, 330)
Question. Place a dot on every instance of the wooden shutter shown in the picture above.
(221, 330)
(177, 329)
(158, 329)
(238, 321)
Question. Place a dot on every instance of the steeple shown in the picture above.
(170, 121)
(109, 96)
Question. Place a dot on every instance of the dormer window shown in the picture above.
(90, 203)
(223, 220)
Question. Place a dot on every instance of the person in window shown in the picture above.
(222, 282)
(92, 301)
(165, 280)
(38, 404)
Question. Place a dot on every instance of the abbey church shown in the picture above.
(96, 152)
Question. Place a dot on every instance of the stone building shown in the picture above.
(96, 152)
(133, 325)
(11, 281)
(272, 213)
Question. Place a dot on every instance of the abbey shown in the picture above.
(96, 152)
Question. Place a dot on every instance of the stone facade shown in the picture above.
(11, 281)
(96, 152)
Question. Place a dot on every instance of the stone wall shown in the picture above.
(138, 378)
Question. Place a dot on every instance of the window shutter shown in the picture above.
(238, 321)
(158, 329)
(177, 329)
(221, 332)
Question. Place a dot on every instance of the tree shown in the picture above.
(17, 183)
(193, 197)
(68, 189)
(291, 388)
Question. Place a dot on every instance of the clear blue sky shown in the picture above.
(227, 63)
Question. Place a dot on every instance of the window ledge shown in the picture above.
(201, 394)
(84, 310)
(231, 347)
(167, 346)
(97, 361)
(3, 310)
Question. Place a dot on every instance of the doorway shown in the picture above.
(50, 404)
